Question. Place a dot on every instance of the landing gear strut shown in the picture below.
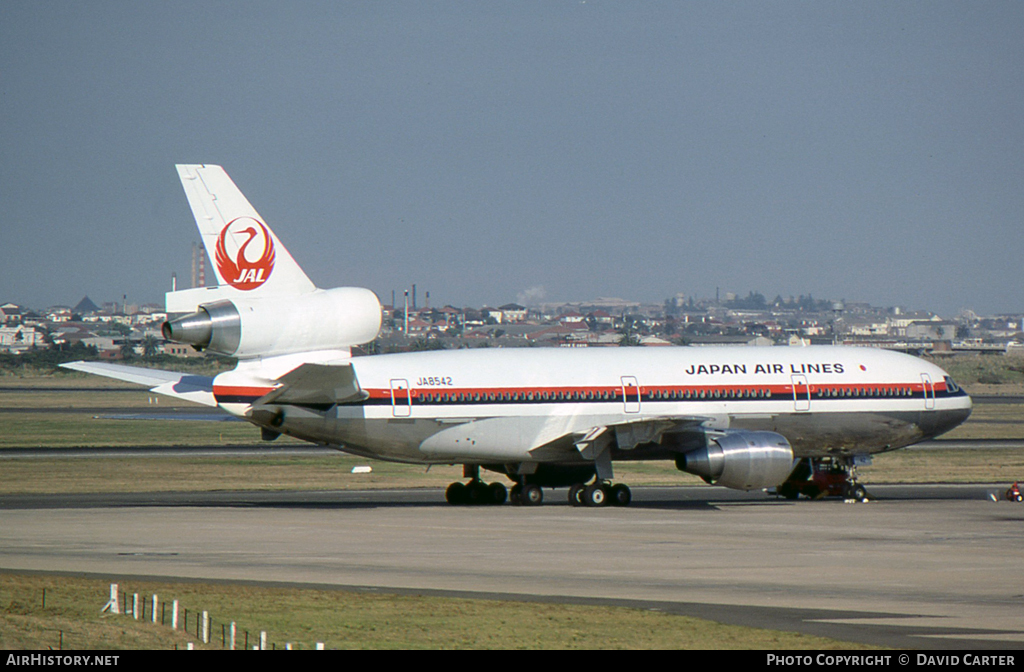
(852, 489)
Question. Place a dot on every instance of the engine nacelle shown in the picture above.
(741, 460)
(242, 327)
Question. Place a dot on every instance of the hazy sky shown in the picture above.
(872, 151)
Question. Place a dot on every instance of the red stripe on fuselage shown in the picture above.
(611, 392)
(239, 391)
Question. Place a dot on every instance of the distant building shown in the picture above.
(11, 313)
(721, 339)
(59, 314)
(19, 339)
(512, 312)
(179, 350)
(85, 307)
(571, 318)
(931, 330)
(865, 326)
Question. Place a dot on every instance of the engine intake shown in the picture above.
(321, 320)
(741, 460)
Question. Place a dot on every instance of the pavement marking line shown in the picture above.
(1009, 637)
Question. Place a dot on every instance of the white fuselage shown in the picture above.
(513, 405)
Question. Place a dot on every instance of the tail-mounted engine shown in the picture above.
(320, 320)
(741, 460)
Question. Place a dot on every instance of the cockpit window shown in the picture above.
(951, 387)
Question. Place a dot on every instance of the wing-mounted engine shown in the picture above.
(741, 460)
(277, 325)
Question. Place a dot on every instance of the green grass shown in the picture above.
(971, 370)
(74, 430)
(344, 619)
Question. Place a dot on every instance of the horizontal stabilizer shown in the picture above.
(187, 386)
(316, 384)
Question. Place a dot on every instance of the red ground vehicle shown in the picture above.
(823, 477)
(1014, 494)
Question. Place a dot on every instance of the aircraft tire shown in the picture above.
(576, 494)
(476, 493)
(456, 494)
(855, 491)
(621, 495)
(498, 493)
(596, 494)
(532, 495)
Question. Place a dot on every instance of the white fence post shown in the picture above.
(263, 640)
(206, 627)
(174, 615)
(112, 605)
(153, 615)
(232, 636)
(135, 606)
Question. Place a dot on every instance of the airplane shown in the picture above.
(749, 418)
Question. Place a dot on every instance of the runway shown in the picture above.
(921, 567)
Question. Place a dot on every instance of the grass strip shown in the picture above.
(347, 619)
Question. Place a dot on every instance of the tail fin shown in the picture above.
(247, 257)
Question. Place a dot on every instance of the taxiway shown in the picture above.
(923, 566)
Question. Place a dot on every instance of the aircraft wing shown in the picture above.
(591, 441)
(187, 386)
(316, 384)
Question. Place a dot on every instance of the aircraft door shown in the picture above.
(631, 394)
(801, 393)
(929, 391)
(401, 400)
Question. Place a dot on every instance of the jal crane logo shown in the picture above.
(245, 253)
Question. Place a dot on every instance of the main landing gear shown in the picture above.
(600, 493)
(528, 492)
(476, 492)
(818, 477)
(595, 494)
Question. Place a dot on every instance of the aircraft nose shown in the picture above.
(935, 423)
